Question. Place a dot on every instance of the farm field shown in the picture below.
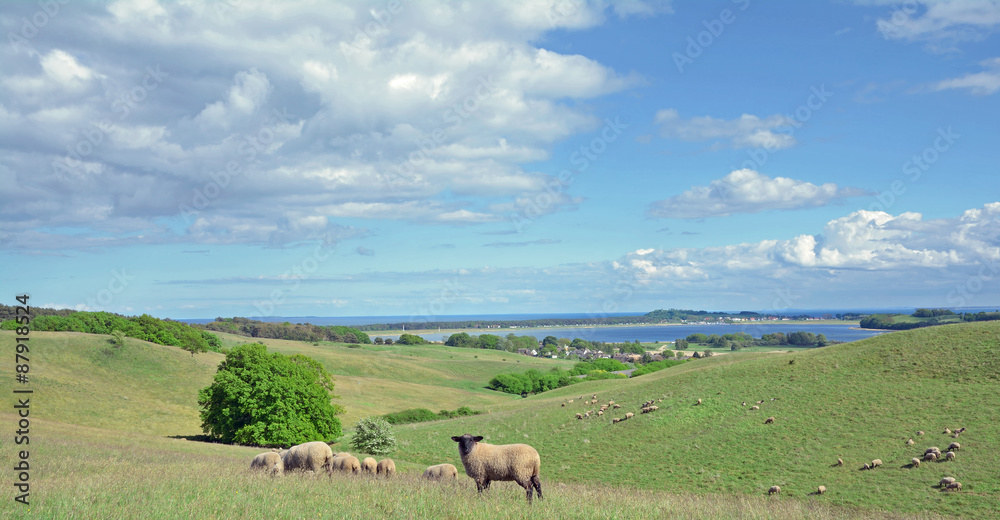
(857, 401)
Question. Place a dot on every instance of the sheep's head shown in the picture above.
(466, 443)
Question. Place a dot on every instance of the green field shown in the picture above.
(102, 427)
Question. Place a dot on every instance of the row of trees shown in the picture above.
(290, 331)
(738, 340)
(534, 381)
(145, 327)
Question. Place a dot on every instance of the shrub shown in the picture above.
(412, 415)
(269, 399)
(373, 435)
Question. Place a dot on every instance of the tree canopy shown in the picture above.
(269, 399)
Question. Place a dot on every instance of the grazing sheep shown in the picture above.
(945, 481)
(744, 403)
(564, 404)
(960, 430)
(699, 402)
(385, 467)
(774, 490)
(866, 466)
(954, 486)
(487, 462)
(311, 456)
(369, 465)
(579, 416)
(915, 462)
(769, 420)
(629, 415)
(600, 413)
(840, 462)
(341, 454)
(268, 461)
(755, 407)
(933, 449)
(654, 408)
(947, 431)
(570, 401)
(615, 420)
(660, 400)
(617, 406)
(876, 463)
(441, 472)
(910, 442)
(949, 456)
(593, 401)
(820, 490)
(955, 436)
(594, 396)
(348, 464)
(954, 446)
(920, 433)
(930, 456)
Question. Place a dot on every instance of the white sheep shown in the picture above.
(369, 465)
(945, 481)
(955, 446)
(268, 461)
(441, 472)
(915, 462)
(820, 490)
(487, 462)
(774, 490)
(347, 464)
(949, 456)
(310, 456)
(385, 467)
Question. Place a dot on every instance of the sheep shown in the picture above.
(920, 433)
(564, 404)
(699, 402)
(960, 430)
(600, 413)
(487, 462)
(341, 454)
(617, 406)
(910, 442)
(441, 472)
(933, 449)
(866, 466)
(840, 462)
(947, 431)
(774, 490)
(369, 465)
(876, 463)
(954, 486)
(744, 403)
(629, 415)
(955, 436)
(570, 401)
(593, 396)
(654, 408)
(915, 462)
(579, 416)
(615, 420)
(385, 467)
(930, 456)
(945, 481)
(769, 420)
(311, 456)
(755, 407)
(820, 490)
(268, 461)
(348, 464)
(954, 446)
(949, 456)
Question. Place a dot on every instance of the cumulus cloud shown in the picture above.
(212, 123)
(746, 131)
(928, 253)
(980, 83)
(747, 191)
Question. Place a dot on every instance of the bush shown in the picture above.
(373, 435)
(413, 415)
(269, 399)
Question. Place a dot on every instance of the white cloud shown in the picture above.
(903, 247)
(980, 83)
(747, 191)
(248, 93)
(746, 131)
(940, 23)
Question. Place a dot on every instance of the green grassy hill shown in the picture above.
(856, 401)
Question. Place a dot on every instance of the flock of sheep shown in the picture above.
(484, 463)
(646, 407)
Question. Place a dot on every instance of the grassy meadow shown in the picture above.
(102, 426)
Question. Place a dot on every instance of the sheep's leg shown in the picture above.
(538, 485)
(527, 487)
(482, 485)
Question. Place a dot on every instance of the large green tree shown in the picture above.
(269, 399)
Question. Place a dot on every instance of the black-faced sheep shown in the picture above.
(769, 420)
(617, 406)
(947, 431)
(269, 461)
(386, 468)
(348, 464)
(699, 402)
(311, 456)
(441, 472)
(920, 433)
(755, 407)
(487, 462)
(629, 415)
(910, 442)
(579, 416)
(955, 446)
(820, 490)
(914, 462)
(369, 465)
(876, 463)
(774, 490)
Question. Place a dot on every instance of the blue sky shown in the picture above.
(202, 159)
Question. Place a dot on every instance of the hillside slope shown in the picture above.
(858, 401)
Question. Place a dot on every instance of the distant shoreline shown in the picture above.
(517, 330)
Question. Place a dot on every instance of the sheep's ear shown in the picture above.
(477, 438)
(456, 439)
